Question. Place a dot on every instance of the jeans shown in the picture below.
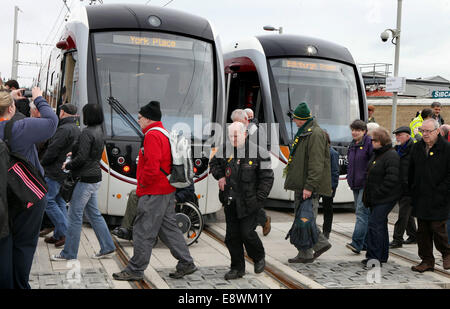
(56, 208)
(359, 237)
(85, 197)
(378, 235)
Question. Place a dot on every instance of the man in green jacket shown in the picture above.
(308, 173)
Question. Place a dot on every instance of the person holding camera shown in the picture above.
(245, 181)
(52, 160)
(21, 102)
(17, 249)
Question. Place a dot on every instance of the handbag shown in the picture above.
(25, 184)
(67, 187)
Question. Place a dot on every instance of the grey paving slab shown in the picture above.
(353, 275)
(210, 278)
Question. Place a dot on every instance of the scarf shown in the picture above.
(295, 143)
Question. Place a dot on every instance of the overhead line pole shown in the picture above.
(15, 45)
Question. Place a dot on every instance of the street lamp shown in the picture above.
(271, 28)
(396, 41)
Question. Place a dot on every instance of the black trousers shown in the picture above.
(405, 221)
(327, 205)
(17, 249)
(429, 232)
(240, 233)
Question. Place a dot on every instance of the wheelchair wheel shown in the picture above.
(190, 221)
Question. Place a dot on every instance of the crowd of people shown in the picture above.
(415, 174)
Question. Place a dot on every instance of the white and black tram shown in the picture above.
(272, 74)
(123, 56)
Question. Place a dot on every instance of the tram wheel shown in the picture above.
(190, 221)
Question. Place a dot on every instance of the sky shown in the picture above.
(355, 24)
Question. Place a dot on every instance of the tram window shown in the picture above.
(329, 88)
(139, 67)
(69, 90)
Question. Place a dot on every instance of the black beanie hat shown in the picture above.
(151, 111)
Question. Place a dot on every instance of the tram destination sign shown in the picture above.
(310, 66)
(151, 42)
(439, 94)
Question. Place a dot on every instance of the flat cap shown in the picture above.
(402, 129)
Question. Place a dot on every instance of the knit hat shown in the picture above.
(151, 111)
(69, 108)
(302, 112)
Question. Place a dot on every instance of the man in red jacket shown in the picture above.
(156, 206)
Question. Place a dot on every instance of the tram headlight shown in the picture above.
(311, 50)
(154, 21)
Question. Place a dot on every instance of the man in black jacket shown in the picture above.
(405, 220)
(59, 145)
(245, 182)
(429, 182)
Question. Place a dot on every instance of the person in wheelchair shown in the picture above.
(125, 230)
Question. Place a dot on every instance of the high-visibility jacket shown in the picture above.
(414, 126)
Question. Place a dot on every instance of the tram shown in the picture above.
(272, 74)
(123, 56)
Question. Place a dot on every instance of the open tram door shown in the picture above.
(248, 87)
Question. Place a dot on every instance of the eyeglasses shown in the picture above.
(423, 131)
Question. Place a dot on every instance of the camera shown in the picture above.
(384, 35)
(27, 93)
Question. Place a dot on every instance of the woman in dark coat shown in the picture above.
(381, 192)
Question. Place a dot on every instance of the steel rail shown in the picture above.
(123, 258)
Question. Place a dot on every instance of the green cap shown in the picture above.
(302, 112)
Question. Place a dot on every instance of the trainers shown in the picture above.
(267, 226)
(180, 273)
(103, 255)
(354, 250)
(126, 276)
(59, 257)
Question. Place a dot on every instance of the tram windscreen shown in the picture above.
(138, 67)
(329, 88)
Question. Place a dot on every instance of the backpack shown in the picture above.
(304, 233)
(182, 173)
(25, 184)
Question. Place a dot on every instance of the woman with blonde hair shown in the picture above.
(18, 247)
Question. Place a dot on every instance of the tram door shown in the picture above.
(245, 92)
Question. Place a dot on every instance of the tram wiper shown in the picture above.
(125, 115)
(290, 113)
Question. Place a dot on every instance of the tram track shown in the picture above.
(398, 255)
(270, 270)
(123, 258)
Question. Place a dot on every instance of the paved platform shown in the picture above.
(337, 268)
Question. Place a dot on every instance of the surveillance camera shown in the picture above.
(384, 36)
